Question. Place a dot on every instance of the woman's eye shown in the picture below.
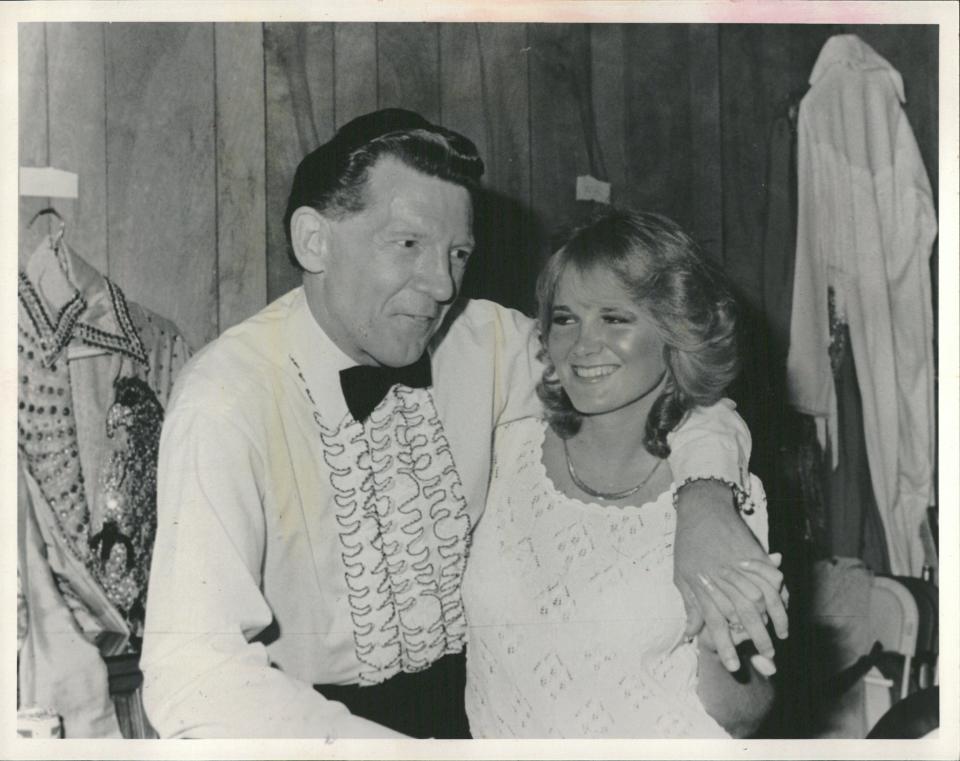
(461, 254)
(407, 243)
(561, 319)
(613, 319)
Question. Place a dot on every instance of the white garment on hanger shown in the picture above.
(866, 225)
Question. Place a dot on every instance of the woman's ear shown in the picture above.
(310, 236)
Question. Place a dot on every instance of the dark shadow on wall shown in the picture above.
(510, 240)
(780, 458)
(513, 243)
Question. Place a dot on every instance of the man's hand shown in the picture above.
(723, 573)
(762, 664)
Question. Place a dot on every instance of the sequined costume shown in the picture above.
(94, 373)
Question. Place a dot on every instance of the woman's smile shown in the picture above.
(593, 372)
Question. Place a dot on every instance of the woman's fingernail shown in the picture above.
(764, 665)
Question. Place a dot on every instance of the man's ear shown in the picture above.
(310, 236)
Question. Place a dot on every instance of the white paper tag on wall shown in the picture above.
(45, 181)
(591, 189)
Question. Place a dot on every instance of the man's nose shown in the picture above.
(436, 276)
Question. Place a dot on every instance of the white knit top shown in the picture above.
(575, 625)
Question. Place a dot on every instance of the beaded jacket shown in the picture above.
(95, 371)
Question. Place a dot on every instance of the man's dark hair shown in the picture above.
(332, 179)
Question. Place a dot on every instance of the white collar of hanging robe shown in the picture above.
(865, 231)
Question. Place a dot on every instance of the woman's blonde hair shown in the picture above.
(687, 298)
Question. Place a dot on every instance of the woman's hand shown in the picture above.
(712, 542)
(761, 663)
(762, 584)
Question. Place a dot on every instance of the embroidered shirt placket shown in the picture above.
(403, 530)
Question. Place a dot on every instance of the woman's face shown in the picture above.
(607, 352)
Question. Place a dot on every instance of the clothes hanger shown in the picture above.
(56, 242)
(57, 239)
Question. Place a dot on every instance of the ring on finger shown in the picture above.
(735, 626)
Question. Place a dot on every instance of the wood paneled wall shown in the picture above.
(164, 125)
(186, 136)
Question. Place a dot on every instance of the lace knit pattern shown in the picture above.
(575, 625)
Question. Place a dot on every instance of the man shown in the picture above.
(323, 464)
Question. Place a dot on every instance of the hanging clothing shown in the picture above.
(60, 668)
(866, 225)
(854, 527)
(95, 371)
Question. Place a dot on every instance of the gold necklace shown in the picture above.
(613, 495)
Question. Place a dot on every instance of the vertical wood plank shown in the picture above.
(33, 149)
(241, 188)
(77, 132)
(562, 139)
(408, 68)
(705, 143)
(659, 114)
(161, 172)
(355, 70)
(761, 66)
(484, 95)
(298, 71)
(607, 61)
(745, 142)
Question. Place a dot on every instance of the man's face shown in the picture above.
(392, 270)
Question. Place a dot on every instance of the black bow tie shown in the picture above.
(365, 386)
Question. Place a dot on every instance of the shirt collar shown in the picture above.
(317, 359)
(67, 301)
(850, 51)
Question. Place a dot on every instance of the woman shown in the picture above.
(576, 627)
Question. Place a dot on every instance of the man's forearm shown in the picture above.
(738, 702)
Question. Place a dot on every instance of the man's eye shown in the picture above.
(562, 319)
(407, 243)
(462, 254)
